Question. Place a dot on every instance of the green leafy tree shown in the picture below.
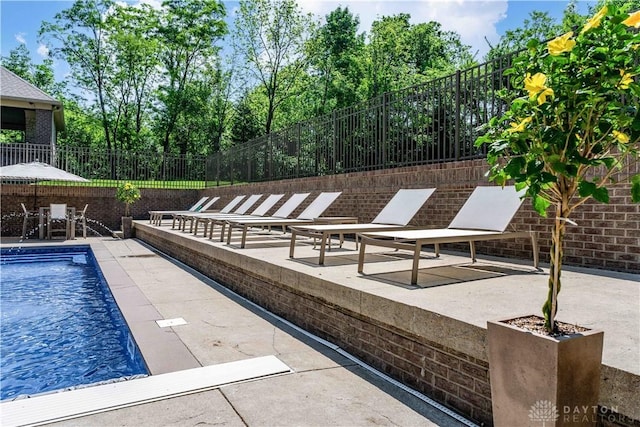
(539, 26)
(573, 126)
(134, 63)
(245, 124)
(189, 32)
(336, 51)
(270, 35)
(19, 62)
(79, 37)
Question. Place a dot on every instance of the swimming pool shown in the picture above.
(60, 326)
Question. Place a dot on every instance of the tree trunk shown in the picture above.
(550, 307)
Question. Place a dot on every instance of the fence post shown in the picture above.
(384, 143)
(334, 137)
(299, 145)
(457, 126)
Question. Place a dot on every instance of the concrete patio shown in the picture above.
(449, 306)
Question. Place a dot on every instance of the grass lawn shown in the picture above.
(177, 185)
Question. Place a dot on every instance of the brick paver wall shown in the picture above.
(607, 235)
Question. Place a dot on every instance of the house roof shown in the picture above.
(17, 88)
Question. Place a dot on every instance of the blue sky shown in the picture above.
(474, 20)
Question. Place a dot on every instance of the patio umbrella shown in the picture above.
(35, 172)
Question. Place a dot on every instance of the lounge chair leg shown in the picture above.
(292, 245)
(229, 235)
(416, 263)
(224, 228)
(361, 256)
(534, 246)
(437, 249)
(472, 246)
(323, 247)
(244, 237)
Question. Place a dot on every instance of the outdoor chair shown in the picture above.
(81, 218)
(310, 214)
(227, 208)
(155, 217)
(29, 216)
(397, 213)
(197, 219)
(485, 216)
(56, 218)
(178, 216)
(258, 212)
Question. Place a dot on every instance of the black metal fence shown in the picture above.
(104, 167)
(434, 122)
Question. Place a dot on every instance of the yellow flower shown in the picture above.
(542, 98)
(561, 44)
(633, 20)
(536, 85)
(625, 79)
(594, 22)
(621, 137)
(519, 127)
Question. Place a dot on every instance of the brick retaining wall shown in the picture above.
(607, 235)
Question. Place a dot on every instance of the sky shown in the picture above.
(477, 21)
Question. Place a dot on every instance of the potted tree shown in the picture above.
(128, 194)
(572, 129)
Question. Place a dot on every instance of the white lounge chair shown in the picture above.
(485, 216)
(178, 216)
(276, 219)
(197, 217)
(397, 213)
(206, 218)
(226, 209)
(155, 217)
(258, 212)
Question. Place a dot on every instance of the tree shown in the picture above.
(135, 62)
(336, 51)
(539, 26)
(573, 125)
(244, 126)
(271, 36)
(189, 31)
(79, 37)
(19, 62)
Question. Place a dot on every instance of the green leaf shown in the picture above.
(635, 188)
(586, 188)
(601, 194)
(532, 44)
(540, 205)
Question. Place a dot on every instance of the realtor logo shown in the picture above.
(543, 411)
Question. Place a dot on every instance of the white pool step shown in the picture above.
(66, 405)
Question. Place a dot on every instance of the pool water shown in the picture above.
(59, 324)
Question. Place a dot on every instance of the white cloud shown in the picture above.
(20, 38)
(472, 19)
(43, 50)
